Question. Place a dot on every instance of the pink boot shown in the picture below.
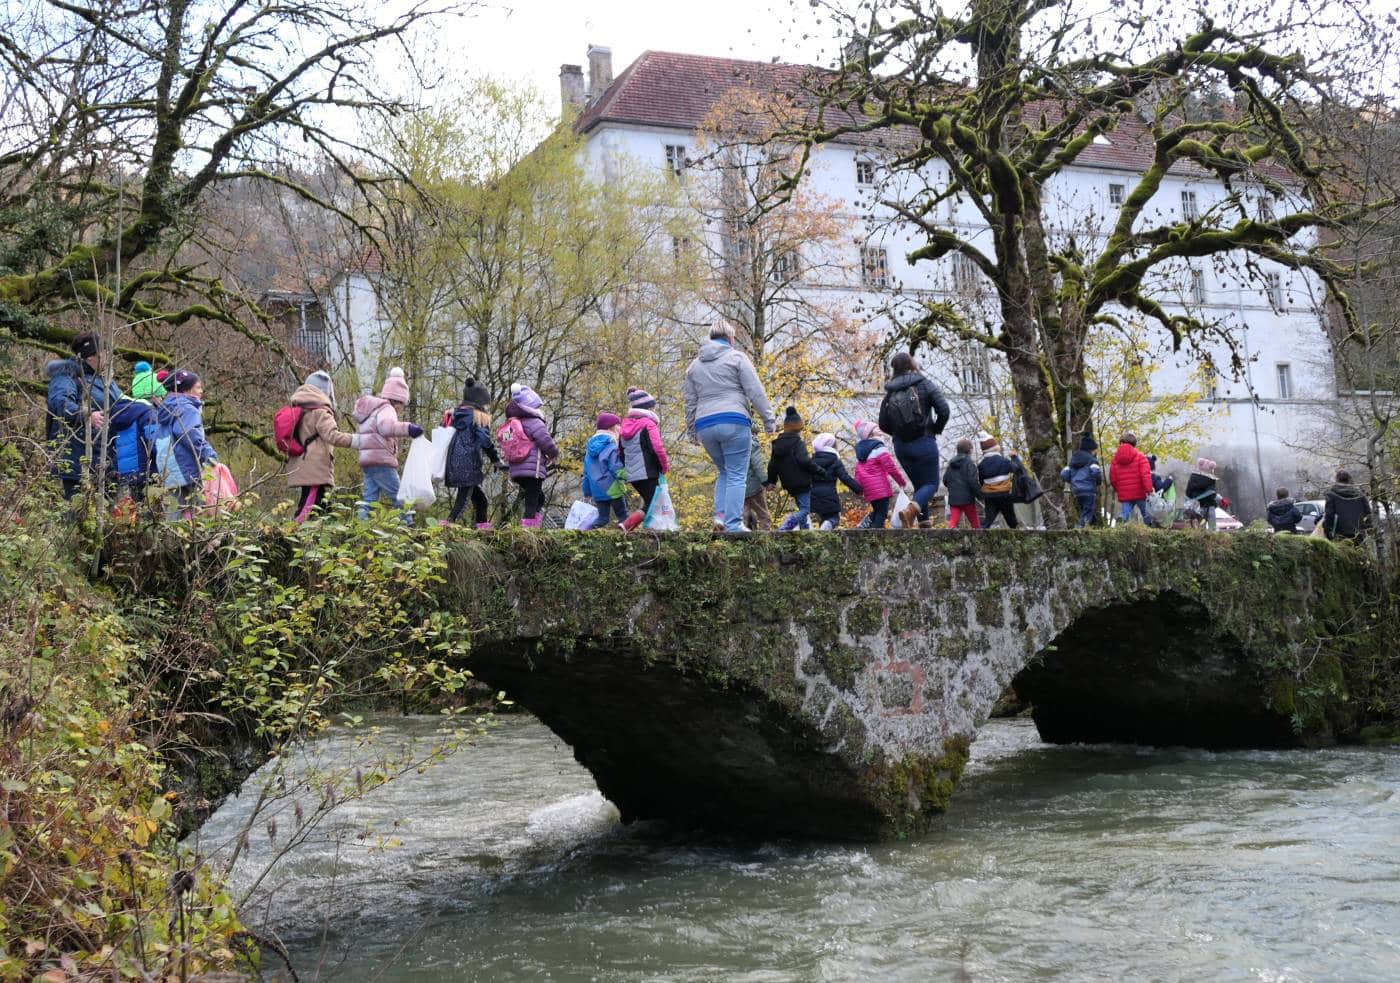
(530, 523)
(484, 527)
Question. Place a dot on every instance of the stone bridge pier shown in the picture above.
(830, 685)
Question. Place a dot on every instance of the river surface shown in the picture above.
(1054, 863)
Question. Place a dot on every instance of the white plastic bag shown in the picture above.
(442, 439)
(662, 514)
(1158, 507)
(582, 515)
(416, 486)
(901, 503)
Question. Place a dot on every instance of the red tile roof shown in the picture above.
(678, 91)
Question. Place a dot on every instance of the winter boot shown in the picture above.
(632, 521)
(530, 523)
(484, 527)
(909, 515)
(828, 525)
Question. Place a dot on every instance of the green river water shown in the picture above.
(1063, 863)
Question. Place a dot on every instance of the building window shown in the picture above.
(1116, 194)
(1197, 288)
(865, 173)
(1284, 372)
(875, 266)
(1273, 290)
(967, 278)
(675, 159)
(680, 247)
(785, 268)
(972, 369)
(1266, 208)
(1189, 211)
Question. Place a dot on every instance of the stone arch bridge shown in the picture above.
(830, 684)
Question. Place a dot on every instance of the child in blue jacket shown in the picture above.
(1084, 476)
(181, 416)
(602, 471)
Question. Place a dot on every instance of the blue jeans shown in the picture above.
(919, 459)
(1126, 512)
(1088, 505)
(798, 520)
(607, 508)
(728, 445)
(380, 480)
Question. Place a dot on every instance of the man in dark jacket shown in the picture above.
(914, 412)
(964, 487)
(1283, 512)
(75, 421)
(1084, 475)
(791, 465)
(1347, 513)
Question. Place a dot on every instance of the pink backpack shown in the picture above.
(514, 442)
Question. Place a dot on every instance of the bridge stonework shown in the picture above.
(831, 684)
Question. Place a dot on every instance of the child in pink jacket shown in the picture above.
(377, 424)
(875, 470)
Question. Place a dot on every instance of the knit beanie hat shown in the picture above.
(865, 429)
(606, 421)
(185, 380)
(640, 399)
(987, 442)
(475, 394)
(525, 396)
(144, 384)
(1088, 443)
(1206, 466)
(85, 345)
(824, 442)
(162, 375)
(791, 419)
(395, 387)
(322, 381)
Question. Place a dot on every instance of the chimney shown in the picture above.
(571, 97)
(599, 70)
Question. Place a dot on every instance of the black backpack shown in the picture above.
(903, 414)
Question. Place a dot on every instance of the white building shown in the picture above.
(649, 117)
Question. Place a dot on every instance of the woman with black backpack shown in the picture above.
(914, 413)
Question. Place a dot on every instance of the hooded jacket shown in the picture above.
(720, 386)
(1130, 474)
(1283, 515)
(1346, 514)
(471, 439)
(758, 471)
(1200, 488)
(65, 418)
(640, 448)
(316, 466)
(544, 451)
(875, 469)
(181, 418)
(826, 498)
(930, 398)
(1083, 474)
(137, 426)
(602, 466)
(791, 464)
(996, 466)
(964, 485)
(377, 424)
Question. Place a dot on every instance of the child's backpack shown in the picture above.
(515, 444)
(905, 413)
(284, 431)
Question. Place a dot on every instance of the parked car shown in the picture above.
(1224, 521)
(1312, 513)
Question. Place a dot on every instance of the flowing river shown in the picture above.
(1071, 863)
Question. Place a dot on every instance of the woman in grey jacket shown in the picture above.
(720, 387)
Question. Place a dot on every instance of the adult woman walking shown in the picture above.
(914, 413)
(720, 387)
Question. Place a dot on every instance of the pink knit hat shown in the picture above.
(395, 388)
(865, 429)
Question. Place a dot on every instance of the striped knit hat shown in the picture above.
(640, 399)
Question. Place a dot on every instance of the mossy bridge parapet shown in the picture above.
(830, 684)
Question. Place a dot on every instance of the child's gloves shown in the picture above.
(415, 431)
